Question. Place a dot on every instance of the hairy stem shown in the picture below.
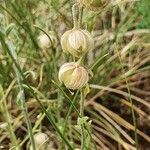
(75, 12)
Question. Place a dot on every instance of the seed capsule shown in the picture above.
(42, 142)
(77, 42)
(73, 75)
(46, 42)
(40, 138)
(93, 4)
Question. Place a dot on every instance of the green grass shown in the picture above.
(33, 100)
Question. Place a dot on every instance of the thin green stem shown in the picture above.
(68, 98)
(53, 49)
(97, 61)
(82, 115)
(8, 119)
(132, 108)
(24, 107)
(69, 111)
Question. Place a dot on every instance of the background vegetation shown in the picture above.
(33, 100)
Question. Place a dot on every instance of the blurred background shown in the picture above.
(32, 100)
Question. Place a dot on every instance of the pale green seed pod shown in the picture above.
(77, 42)
(73, 75)
(93, 4)
(45, 42)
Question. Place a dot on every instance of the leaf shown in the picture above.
(86, 89)
(9, 28)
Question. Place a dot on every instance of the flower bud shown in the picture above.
(77, 42)
(93, 4)
(46, 42)
(73, 75)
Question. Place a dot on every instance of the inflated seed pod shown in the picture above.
(40, 138)
(77, 42)
(40, 141)
(93, 4)
(73, 75)
(45, 42)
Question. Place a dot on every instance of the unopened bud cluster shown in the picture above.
(76, 42)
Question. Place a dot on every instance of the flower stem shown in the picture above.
(82, 115)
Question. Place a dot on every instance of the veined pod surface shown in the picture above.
(77, 42)
(73, 75)
(93, 4)
(45, 42)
